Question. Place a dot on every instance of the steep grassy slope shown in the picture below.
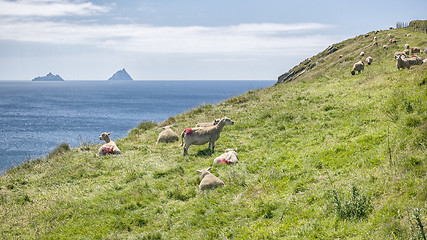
(328, 155)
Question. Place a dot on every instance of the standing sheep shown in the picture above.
(167, 135)
(202, 135)
(208, 124)
(406, 46)
(109, 147)
(359, 66)
(369, 60)
(209, 181)
(362, 54)
(398, 54)
(229, 157)
(415, 50)
(385, 47)
(403, 63)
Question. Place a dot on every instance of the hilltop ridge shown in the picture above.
(323, 155)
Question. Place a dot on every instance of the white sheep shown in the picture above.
(208, 124)
(229, 157)
(406, 46)
(393, 41)
(209, 181)
(385, 47)
(369, 60)
(359, 66)
(362, 54)
(202, 135)
(402, 62)
(167, 135)
(415, 50)
(109, 147)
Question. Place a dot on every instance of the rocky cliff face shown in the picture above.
(120, 76)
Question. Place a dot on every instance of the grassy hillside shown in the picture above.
(328, 155)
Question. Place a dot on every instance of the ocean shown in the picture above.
(36, 117)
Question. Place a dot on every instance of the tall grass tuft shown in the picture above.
(356, 206)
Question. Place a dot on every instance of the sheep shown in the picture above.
(229, 157)
(374, 38)
(375, 44)
(362, 54)
(415, 50)
(209, 181)
(369, 60)
(391, 28)
(208, 124)
(406, 52)
(408, 35)
(406, 46)
(167, 135)
(393, 41)
(109, 147)
(359, 66)
(385, 47)
(397, 54)
(403, 63)
(202, 135)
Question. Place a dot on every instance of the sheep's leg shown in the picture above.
(186, 150)
(213, 147)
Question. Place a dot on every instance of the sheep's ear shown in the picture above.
(198, 171)
(209, 168)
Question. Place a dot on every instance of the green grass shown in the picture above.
(325, 140)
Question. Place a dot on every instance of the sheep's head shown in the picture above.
(204, 172)
(226, 121)
(353, 72)
(105, 136)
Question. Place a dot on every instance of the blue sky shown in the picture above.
(181, 39)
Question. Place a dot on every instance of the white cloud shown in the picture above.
(265, 38)
(49, 8)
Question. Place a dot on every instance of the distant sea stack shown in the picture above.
(49, 77)
(121, 75)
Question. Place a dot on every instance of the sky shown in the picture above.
(181, 39)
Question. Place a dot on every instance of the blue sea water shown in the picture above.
(35, 117)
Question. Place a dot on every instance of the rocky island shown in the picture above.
(49, 77)
(120, 76)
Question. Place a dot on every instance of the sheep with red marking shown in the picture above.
(209, 181)
(208, 124)
(167, 135)
(109, 147)
(393, 41)
(402, 62)
(415, 50)
(359, 66)
(203, 135)
(229, 157)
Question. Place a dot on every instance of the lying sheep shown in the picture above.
(209, 181)
(109, 147)
(229, 157)
(415, 50)
(202, 135)
(385, 47)
(369, 60)
(359, 66)
(402, 62)
(208, 124)
(398, 54)
(406, 46)
(167, 135)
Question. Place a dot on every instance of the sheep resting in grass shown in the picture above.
(415, 50)
(402, 62)
(369, 60)
(109, 147)
(359, 66)
(202, 135)
(229, 157)
(209, 181)
(208, 124)
(167, 135)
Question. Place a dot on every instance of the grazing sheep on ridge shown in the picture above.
(202, 135)
(406, 46)
(229, 157)
(359, 66)
(208, 124)
(393, 41)
(362, 54)
(402, 62)
(109, 147)
(415, 50)
(369, 60)
(385, 47)
(375, 44)
(209, 181)
(167, 135)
